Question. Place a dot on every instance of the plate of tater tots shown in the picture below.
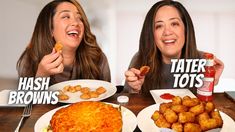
(184, 114)
(83, 90)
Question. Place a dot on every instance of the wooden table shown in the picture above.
(9, 117)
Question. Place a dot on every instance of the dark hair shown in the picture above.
(88, 54)
(150, 55)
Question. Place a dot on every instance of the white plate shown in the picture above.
(4, 96)
(128, 118)
(92, 84)
(176, 92)
(146, 124)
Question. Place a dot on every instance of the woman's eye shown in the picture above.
(65, 17)
(175, 24)
(158, 26)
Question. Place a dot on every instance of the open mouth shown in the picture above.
(73, 33)
(170, 41)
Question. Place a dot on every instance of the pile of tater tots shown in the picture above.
(187, 114)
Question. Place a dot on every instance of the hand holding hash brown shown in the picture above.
(58, 47)
(86, 117)
(144, 70)
(187, 114)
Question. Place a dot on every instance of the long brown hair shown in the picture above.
(88, 54)
(150, 55)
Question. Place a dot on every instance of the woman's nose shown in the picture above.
(167, 31)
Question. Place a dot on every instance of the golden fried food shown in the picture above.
(94, 94)
(164, 106)
(192, 127)
(85, 96)
(209, 106)
(193, 115)
(176, 100)
(63, 97)
(161, 122)
(58, 47)
(179, 108)
(86, 117)
(78, 87)
(85, 90)
(208, 124)
(100, 90)
(177, 127)
(156, 115)
(170, 116)
(190, 102)
(186, 117)
(198, 109)
(144, 70)
(216, 115)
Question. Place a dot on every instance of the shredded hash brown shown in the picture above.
(87, 116)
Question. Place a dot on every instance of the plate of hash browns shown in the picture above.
(83, 90)
(184, 114)
(87, 116)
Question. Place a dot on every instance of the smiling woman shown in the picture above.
(63, 21)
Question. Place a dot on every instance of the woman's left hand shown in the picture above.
(219, 67)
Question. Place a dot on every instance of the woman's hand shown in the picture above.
(219, 67)
(134, 80)
(50, 64)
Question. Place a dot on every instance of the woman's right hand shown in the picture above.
(50, 64)
(134, 79)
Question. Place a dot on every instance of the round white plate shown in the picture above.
(92, 84)
(146, 124)
(128, 118)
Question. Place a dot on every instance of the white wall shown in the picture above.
(118, 30)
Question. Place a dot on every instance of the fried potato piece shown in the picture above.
(208, 124)
(177, 127)
(179, 108)
(156, 115)
(198, 109)
(63, 97)
(203, 116)
(78, 87)
(100, 90)
(58, 47)
(192, 127)
(170, 116)
(144, 70)
(85, 96)
(186, 117)
(162, 122)
(85, 90)
(164, 106)
(190, 102)
(94, 94)
(176, 100)
(216, 115)
(209, 106)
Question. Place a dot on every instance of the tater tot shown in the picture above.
(164, 106)
(209, 106)
(85, 90)
(190, 102)
(216, 115)
(162, 122)
(100, 90)
(198, 109)
(192, 127)
(170, 116)
(176, 100)
(208, 124)
(179, 108)
(186, 117)
(177, 127)
(156, 115)
(94, 94)
(203, 116)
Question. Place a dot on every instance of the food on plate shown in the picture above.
(100, 90)
(87, 116)
(58, 47)
(187, 114)
(85, 96)
(144, 70)
(167, 96)
(86, 92)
